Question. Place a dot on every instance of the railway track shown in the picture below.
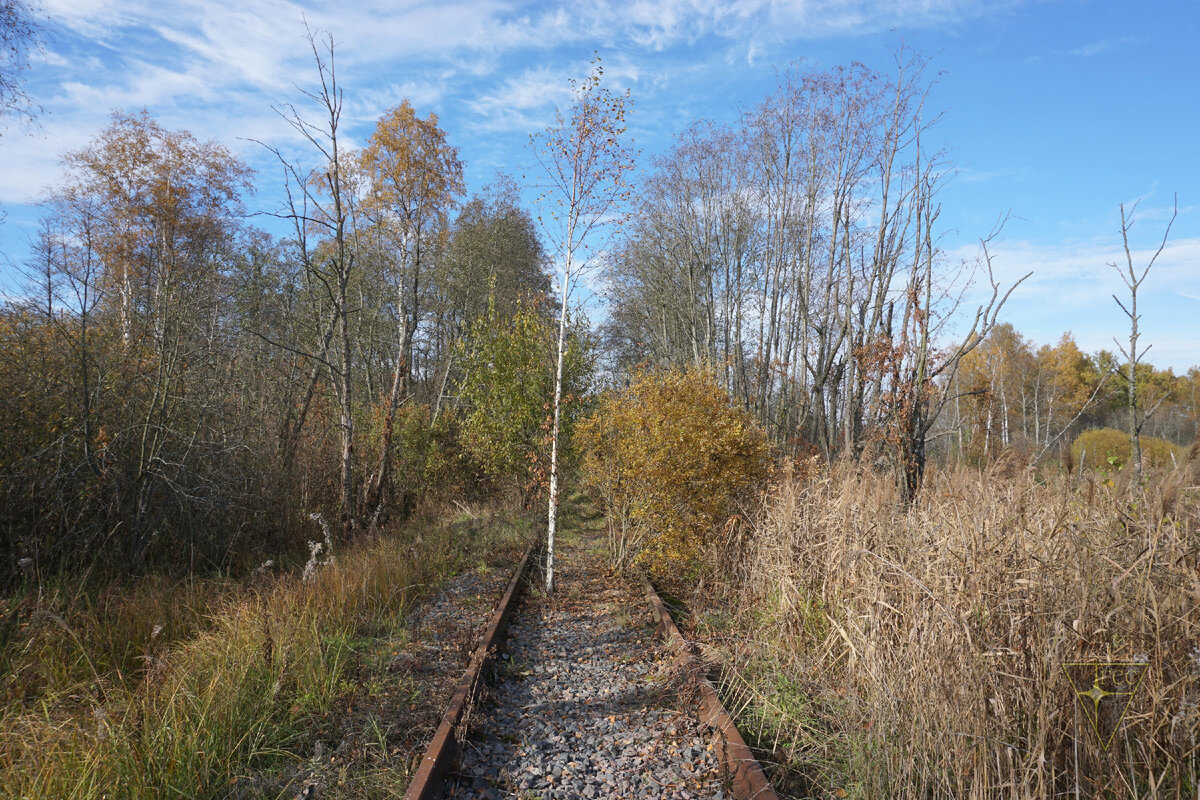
(588, 693)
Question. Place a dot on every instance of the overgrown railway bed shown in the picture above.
(584, 701)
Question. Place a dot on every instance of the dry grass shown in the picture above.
(250, 669)
(919, 652)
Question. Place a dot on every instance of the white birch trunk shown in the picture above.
(552, 512)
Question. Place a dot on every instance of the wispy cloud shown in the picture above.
(1098, 47)
(1083, 268)
(217, 68)
(521, 103)
(526, 102)
(972, 175)
(1072, 287)
(1088, 50)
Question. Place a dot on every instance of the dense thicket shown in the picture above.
(173, 386)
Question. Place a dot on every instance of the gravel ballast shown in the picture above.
(583, 703)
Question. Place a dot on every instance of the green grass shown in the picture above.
(114, 712)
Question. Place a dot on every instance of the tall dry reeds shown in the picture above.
(919, 651)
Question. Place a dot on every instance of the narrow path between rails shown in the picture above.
(584, 701)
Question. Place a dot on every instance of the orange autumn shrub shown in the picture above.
(667, 457)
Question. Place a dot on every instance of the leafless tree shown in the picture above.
(319, 201)
(1133, 278)
(20, 32)
(798, 256)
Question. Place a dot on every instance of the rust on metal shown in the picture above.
(746, 776)
(443, 749)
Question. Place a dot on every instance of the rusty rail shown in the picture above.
(747, 780)
(427, 784)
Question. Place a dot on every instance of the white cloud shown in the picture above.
(372, 103)
(1083, 267)
(1072, 287)
(91, 18)
(150, 86)
(1096, 48)
(32, 160)
(526, 102)
(217, 68)
(522, 103)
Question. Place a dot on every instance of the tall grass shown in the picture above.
(920, 652)
(227, 699)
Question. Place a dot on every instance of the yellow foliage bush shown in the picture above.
(667, 457)
(1093, 448)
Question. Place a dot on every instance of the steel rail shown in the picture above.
(427, 783)
(746, 777)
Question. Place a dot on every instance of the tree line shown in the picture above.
(181, 389)
(795, 253)
(1011, 393)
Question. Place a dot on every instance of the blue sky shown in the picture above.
(1055, 112)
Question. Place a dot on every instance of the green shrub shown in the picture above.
(428, 460)
(508, 363)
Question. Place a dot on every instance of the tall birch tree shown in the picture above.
(585, 157)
